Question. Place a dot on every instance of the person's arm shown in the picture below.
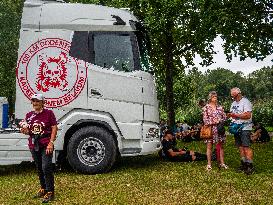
(243, 116)
(50, 146)
(174, 154)
(223, 114)
(256, 134)
(53, 134)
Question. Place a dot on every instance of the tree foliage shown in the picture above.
(179, 30)
(257, 86)
(10, 16)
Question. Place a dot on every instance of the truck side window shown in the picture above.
(79, 46)
(114, 50)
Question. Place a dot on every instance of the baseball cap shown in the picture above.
(38, 97)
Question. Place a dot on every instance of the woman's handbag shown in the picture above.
(206, 132)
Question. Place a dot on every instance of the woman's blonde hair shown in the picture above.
(211, 94)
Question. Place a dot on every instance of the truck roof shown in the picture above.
(39, 14)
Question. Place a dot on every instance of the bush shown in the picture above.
(263, 112)
(192, 114)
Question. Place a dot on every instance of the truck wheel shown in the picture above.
(91, 150)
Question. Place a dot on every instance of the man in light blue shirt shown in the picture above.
(241, 113)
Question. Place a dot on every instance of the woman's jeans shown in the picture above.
(45, 168)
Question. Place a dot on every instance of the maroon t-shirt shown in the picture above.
(40, 124)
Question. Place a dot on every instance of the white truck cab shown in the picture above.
(91, 65)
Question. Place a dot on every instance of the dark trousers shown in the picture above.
(45, 168)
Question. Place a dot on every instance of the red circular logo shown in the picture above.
(46, 67)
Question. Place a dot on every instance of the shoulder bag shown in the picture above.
(206, 132)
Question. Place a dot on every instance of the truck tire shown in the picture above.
(91, 150)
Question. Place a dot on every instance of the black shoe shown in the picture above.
(242, 167)
(40, 193)
(49, 196)
(249, 168)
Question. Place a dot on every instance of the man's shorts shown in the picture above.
(243, 138)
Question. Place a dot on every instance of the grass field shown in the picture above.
(147, 180)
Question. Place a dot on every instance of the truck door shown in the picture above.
(111, 86)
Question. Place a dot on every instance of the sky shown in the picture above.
(247, 66)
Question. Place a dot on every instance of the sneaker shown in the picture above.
(49, 196)
(40, 193)
(223, 166)
(208, 168)
(249, 169)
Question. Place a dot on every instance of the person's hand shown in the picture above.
(232, 115)
(24, 130)
(50, 148)
(182, 152)
(24, 127)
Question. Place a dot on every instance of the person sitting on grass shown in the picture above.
(172, 153)
(260, 133)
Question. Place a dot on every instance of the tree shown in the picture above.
(10, 17)
(181, 29)
(262, 83)
(223, 80)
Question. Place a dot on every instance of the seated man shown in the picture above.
(170, 152)
(260, 133)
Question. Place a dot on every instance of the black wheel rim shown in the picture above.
(91, 151)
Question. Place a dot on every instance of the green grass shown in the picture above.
(269, 129)
(148, 180)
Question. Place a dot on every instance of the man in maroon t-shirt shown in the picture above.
(41, 126)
